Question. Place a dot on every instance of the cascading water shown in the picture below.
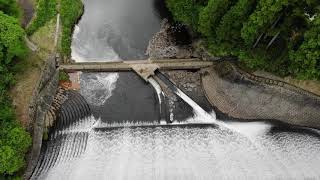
(185, 152)
(200, 115)
(101, 148)
(161, 99)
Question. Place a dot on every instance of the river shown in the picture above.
(123, 138)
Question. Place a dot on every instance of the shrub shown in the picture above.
(306, 60)
(230, 26)
(265, 14)
(45, 11)
(14, 140)
(185, 11)
(11, 40)
(9, 7)
(211, 15)
(63, 76)
(70, 11)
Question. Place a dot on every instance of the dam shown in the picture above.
(118, 126)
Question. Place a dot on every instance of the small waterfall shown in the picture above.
(200, 114)
(160, 94)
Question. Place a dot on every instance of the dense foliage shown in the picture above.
(14, 140)
(46, 10)
(70, 11)
(187, 11)
(210, 16)
(233, 20)
(306, 60)
(278, 36)
(261, 19)
(9, 7)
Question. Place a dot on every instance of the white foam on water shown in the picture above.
(98, 87)
(191, 153)
(249, 129)
(126, 124)
(83, 125)
(199, 119)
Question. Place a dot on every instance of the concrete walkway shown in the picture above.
(114, 66)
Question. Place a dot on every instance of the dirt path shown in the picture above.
(22, 92)
(28, 10)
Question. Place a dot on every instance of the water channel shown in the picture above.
(123, 139)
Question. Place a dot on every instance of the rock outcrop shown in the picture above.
(163, 46)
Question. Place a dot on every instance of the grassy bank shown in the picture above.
(70, 11)
(45, 11)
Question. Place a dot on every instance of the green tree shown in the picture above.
(230, 26)
(9, 7)
(210, 16)
(306, 60)
(261, 33)
(186, 11)
(70, 11)
(261, 19)
(14, 140)
(11, 39)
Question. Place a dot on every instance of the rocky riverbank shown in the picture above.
(232, 91)
(163, 45)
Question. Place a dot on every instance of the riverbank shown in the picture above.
(32, 66)
(236, 93)
(35, 82)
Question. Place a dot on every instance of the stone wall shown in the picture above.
(43, 96)
(246, 96)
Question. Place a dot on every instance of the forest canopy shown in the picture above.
(279, 36)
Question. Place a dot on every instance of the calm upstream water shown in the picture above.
(123, 139)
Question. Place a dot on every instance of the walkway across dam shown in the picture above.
(144, 68)
(114, 66)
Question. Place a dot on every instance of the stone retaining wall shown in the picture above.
(246, 96)
(42, 99)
